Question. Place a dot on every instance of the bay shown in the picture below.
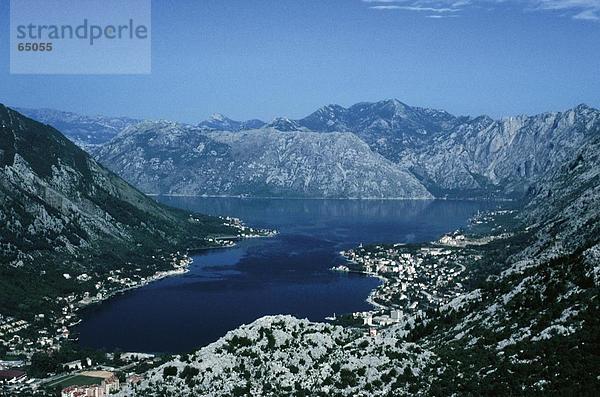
(286, 274)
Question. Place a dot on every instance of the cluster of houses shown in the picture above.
(48, 330)
(44, 332)
(10, 328)
(246, 231)
(417, 278)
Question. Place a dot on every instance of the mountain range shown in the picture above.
(85, 131)
(458, 156)
(414, 149)
(169, 158)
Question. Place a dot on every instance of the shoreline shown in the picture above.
(157, 276)
(370, 298)
(499, 199)
(161, 275)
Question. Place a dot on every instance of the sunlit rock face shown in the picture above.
(169, 158)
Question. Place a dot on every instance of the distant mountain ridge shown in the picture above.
(455, 157)
(85, 131)
(222, 123)
(170, 158)
(461, 156)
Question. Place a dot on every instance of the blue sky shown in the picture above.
(266, 58)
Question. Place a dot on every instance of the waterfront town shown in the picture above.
(417, 278)
(46, 333)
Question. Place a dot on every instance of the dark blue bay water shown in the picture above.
(287, 274)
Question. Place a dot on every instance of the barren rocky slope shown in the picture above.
(450, 156)
(169, 158)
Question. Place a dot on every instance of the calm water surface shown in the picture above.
(287, 274)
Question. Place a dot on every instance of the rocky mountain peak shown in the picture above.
(220, 122)
(394, 105)
(285, 124)
(218, 117)
(582, 107)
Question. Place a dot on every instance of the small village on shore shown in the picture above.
(47, 333)
(416, 278)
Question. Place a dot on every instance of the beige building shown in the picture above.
(110, 381)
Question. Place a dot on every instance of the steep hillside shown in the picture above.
(505, 156)
(451, 156)
(61, 212)
(169, 158)
(460, 156)
(533, 327)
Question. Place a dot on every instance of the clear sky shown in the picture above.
(266, 58)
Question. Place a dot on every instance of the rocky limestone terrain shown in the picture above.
(505, 156)
(461, 156)
(169, 158)
(531, 327)
(281, 355)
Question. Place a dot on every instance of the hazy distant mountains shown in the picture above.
(408, 149)
(219, 122)
(85, 131)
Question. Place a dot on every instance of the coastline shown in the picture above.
(242, 197)
(370, 299)
(160, 275)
